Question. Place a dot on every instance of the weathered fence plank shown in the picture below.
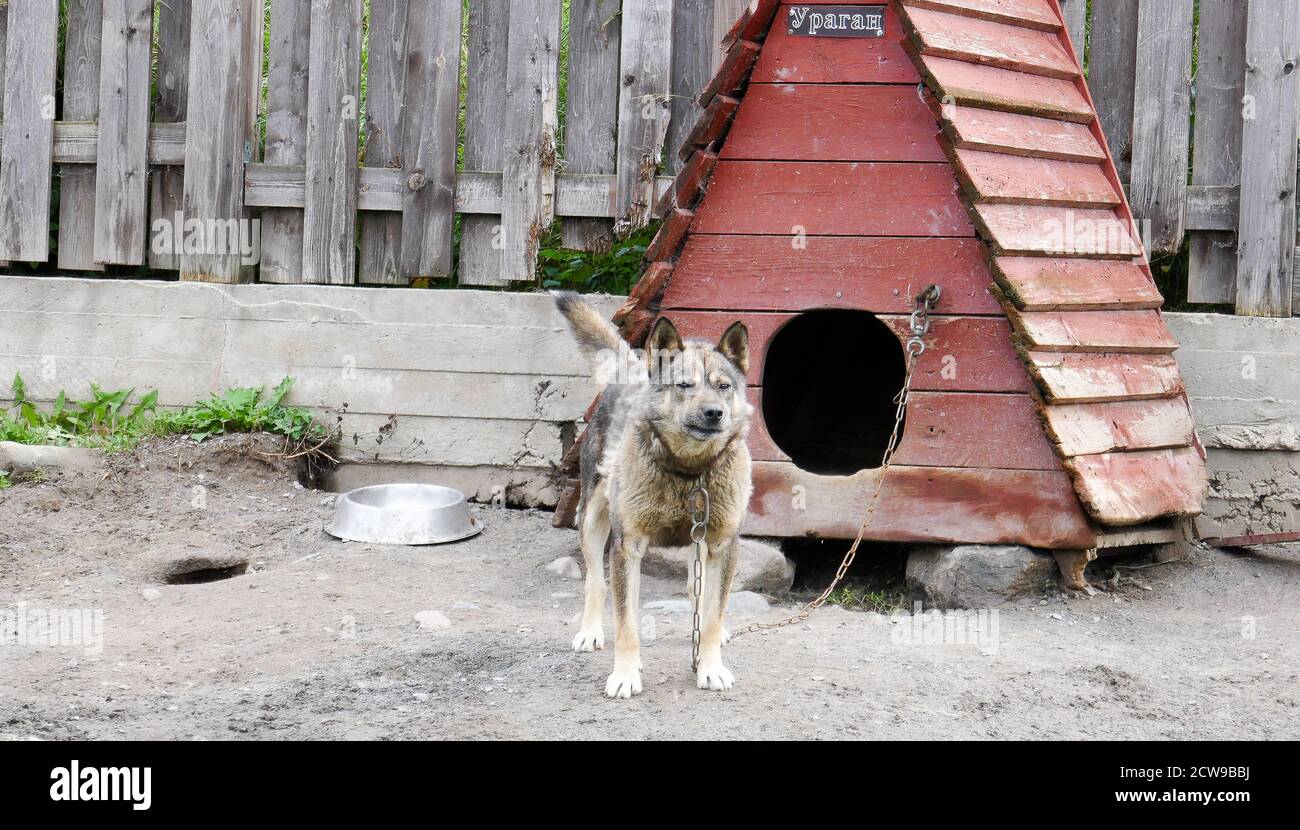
(528, 170)
(224, 79)
(167, 184)
(286, 136)
(725, 13)
(485, 99)
(643, 105)
(1161, 121)
(590, 140)
(26, 157)
(122, 181)
(381, 232)
(1075, 13)
(1216, 150)
(4, 28)
(694, 47)
(80, 103)
(432, 104)
(1113, 61)
(1266, 235)
(333, 104)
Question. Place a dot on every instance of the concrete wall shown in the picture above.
(1243, 378)
(485, 386)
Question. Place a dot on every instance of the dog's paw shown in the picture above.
(589, 639)
(714, 675)
(623, 683)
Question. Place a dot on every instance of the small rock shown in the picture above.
(564, 595)
(151, 594)
(566, 567)
(976, 576)
(465, 606)
(1056, 616)
(763, 567)
(432, 619)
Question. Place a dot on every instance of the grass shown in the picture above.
(857, 599)
(116, 421)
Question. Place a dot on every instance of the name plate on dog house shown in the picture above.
(837, 21)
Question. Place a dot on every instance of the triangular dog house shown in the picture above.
(842, 163)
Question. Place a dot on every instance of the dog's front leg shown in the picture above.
(625, 579)
(720, 568)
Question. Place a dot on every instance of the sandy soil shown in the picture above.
(319, 639)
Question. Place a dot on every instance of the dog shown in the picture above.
(670, 419)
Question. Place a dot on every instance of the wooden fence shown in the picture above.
(153, 110)
(1231, 119)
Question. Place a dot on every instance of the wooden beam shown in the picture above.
(643, 106)
(286, 139)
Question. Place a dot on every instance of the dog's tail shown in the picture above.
(596, 336)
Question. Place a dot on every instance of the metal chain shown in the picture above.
(920, 327)
(699, 532)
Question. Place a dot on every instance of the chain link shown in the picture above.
(920, 327)
(699, 532)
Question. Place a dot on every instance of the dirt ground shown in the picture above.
(317, 638)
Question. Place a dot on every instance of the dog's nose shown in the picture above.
(713, 413)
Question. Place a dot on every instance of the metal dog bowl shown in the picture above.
(403, 514)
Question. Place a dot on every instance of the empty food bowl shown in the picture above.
(403, 514)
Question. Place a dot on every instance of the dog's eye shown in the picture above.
(724, 386)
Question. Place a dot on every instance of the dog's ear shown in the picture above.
(664, 337)
(734, 346)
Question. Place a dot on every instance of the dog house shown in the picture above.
(849, 155)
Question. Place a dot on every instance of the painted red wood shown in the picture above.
(823, 60)
(1126, 488)
(651, 284)
(733, 72)
(1036, 230)
(1003, 89)
(1020, 135)
(921, 504)
(1046, 284)
(1091, 428)
(1065, 377)
(879, 274)
(1114, 332)
(988, 42)
(760, 18)
(1035, 14)
(693, 177)
(833, 122)
(950, 429)
(833, 198)
(670, 236)
(1004, 179)
(963, 353)
(711, 125)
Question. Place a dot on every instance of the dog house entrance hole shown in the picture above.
(829, 382)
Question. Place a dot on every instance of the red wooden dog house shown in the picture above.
(843, 162)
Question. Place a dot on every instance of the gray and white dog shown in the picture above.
(668, 420)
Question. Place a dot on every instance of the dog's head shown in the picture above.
(698, 401)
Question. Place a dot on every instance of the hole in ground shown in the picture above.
(829, 382)
(206, 575)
